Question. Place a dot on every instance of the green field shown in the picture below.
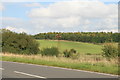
(79, 46)
(96, 63)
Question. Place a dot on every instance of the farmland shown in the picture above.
(20, 47)
(90, 62)
(82, 48)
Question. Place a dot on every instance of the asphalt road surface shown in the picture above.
(23, 70)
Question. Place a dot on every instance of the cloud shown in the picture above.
(66, 16)
(15, 24)
(1, 7)
(75, 16)
(11, 21)
(87, 9)
(112, 30)
(18, 30)
(33, 5)
(9, 18)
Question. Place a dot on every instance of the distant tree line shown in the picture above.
(91, 37)
(19, 43)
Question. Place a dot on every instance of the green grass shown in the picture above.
(85, 62)
(97, 67)
(79, 46)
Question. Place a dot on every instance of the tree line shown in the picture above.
(91, 37)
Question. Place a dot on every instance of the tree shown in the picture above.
(20, 43)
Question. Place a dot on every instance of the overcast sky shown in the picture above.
(63, 16)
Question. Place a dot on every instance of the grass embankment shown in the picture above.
(81, 47)
(84, 63)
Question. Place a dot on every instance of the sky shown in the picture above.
(36, 16)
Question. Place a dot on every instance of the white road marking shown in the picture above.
(1, 69)
(29, 74)
(65, 68)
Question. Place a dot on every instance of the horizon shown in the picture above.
(61, 32)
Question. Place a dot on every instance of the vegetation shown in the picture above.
(62, 53)
(71, 54)
(80, 47)
(53, 51)
(82, 63)
(91, 37)
(20, 43)
(110, 50)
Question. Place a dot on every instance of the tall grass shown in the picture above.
(85, 62)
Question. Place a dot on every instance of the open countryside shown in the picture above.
(71, 40)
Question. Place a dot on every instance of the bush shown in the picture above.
(53, 51)
(88, 54)
(66, 53)
(110, 50)
(71, 53)
(75, 56)
(19, 43)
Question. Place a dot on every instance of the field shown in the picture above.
(93, 62)
(81, 47)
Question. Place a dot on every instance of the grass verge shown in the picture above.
(106, 67)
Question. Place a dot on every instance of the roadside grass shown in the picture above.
(84, 63)
(81, 47)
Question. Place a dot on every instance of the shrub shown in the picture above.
(53, 51)
(66, 53)
(19, 43)
(75, 56)
(110, 50)
(71, 53)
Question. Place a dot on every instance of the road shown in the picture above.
(23, 70)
